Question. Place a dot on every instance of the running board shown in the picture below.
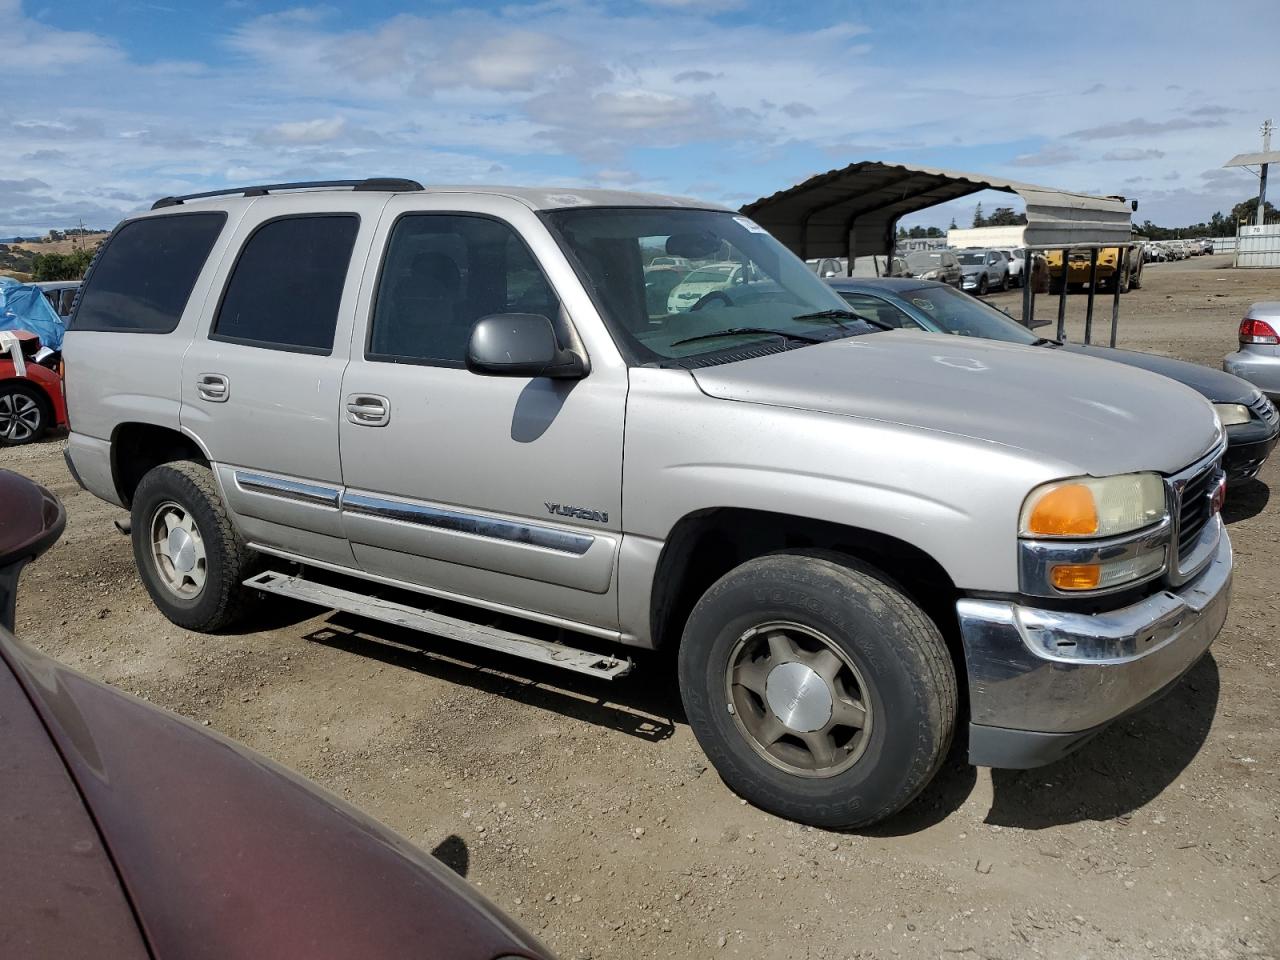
(402, 615)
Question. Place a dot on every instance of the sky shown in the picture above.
(109, 105)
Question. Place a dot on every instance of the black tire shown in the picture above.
(906, 676)
(222, 598)
(25, 413)
(982, 286)
(1004, 283)
(1135, 280)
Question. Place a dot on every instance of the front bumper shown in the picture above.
(1042, 682)
(1248, 446)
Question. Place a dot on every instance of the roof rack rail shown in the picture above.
(391, 184)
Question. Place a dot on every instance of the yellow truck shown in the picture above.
(1110, 260)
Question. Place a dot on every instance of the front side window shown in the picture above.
(738, 287)
(442, 273)
(287, 284)
(142, 279)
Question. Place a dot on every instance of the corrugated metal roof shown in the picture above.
(863, 202)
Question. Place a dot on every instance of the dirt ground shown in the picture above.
(586, 810)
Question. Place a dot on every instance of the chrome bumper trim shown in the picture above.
(1062, 672)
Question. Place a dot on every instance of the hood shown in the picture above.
(1092, 417)
(228, 856)
(1215, 386)
(971, 268)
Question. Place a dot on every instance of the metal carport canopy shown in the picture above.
(853, 211)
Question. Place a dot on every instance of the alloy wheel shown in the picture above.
(177, 547)
(20, 417)
(798, 699)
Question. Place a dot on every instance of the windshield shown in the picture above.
(734, 278)
(971, 258)
(951, 311)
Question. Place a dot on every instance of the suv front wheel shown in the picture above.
(817, 688)
(189, 556)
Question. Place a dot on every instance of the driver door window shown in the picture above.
(441, 274)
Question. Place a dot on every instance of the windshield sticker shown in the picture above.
(923, 304)
(750, 225)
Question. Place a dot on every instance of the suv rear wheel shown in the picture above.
(189, 557)
(818, 690)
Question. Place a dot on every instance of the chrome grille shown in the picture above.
(1264, 409)
(1195, 508)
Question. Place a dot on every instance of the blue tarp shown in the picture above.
(24, 307)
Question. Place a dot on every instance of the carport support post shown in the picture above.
(1062, 298)
(1028, 295)
(1093, 285)
(1122, 264)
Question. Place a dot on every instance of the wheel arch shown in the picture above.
(137, 447)
(706, 544)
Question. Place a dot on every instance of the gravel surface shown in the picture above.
(587, 811)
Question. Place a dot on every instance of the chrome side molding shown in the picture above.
(491, 528)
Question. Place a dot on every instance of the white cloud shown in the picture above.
(306, 131)
(553, 90)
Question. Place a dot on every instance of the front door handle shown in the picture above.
(368, 410)
(213, 387)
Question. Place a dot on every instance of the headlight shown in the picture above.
(1093, 506)
(931, 275)
(1231, 413)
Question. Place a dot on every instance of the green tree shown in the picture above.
(953, 224)
(1005, 217)
(978, 219)
(61, 266)
(1247, 210)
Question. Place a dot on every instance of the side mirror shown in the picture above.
(521, 345)
(31, 522)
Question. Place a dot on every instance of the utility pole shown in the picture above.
(1267, 127)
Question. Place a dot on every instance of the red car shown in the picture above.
(31, 397)
(128, 832)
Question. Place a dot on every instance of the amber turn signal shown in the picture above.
(1076, 576)
(1068, 510)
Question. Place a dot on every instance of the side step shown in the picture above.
(375, 608)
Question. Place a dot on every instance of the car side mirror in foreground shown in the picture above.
(521, 345)
(31, 521)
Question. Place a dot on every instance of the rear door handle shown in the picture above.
(213, 387)
(368, 410)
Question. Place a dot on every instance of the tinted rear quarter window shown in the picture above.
(287, 284)
(142, 279)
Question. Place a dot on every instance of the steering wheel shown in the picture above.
(708, 297)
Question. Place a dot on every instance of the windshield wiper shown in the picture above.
(1044, 342)
(735, 331)
(838, 315)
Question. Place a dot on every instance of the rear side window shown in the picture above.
(287, 284)
(143, 278)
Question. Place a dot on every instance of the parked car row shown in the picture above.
(977, 271)
(1162, 250)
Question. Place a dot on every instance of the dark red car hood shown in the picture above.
(226, 855)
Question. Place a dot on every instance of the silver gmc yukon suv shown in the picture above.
(481, 413)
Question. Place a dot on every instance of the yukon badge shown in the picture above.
(580, 513)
